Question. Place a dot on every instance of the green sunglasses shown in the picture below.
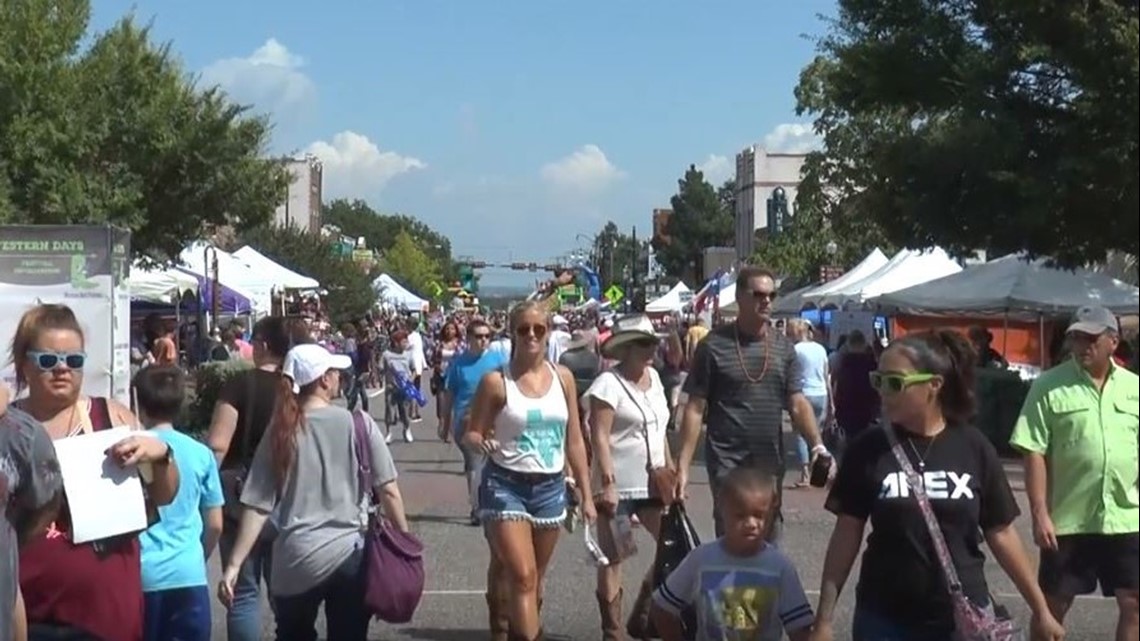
(895, 383)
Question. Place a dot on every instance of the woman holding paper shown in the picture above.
(90, 590)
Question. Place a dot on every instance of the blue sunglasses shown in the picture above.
(48, 361)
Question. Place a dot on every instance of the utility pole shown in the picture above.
(633, 272)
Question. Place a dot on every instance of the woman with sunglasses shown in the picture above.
(927, 386)
(524, 418)
(90, 591)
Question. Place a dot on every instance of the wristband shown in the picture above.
(820, 450)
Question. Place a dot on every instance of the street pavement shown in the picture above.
(453, 608)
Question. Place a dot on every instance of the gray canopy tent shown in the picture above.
(1015, 287)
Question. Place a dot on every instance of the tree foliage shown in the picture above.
(616, 254)
(349, 286)
(1000, 125)
(355, 218)
(118, 134)
(702, 217)
(411, 266)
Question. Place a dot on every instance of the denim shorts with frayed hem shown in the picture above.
(506, 495)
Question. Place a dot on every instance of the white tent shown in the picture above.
(869, 265)
(283, 277)
(905, 269)
(162, 286)
(672, 301)
(393, 293)
(233, 272)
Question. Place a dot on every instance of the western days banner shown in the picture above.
(85, 268)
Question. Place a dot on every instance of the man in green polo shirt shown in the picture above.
(1078, 433)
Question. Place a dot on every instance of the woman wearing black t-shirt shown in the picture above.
(926, 383)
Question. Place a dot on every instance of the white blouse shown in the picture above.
(639, 415)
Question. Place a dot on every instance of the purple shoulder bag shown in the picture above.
(394, 560)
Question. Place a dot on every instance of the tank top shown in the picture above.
(532, 431)
(94, 587)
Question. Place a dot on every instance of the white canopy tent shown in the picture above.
(391, 292)
(283, 277)
(905, 269)
(163, 286)
(233, 272)
(671, 301)
(869, 265)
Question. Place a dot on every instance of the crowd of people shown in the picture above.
(566, 416)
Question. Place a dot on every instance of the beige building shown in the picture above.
(758, 174)
(302, 203)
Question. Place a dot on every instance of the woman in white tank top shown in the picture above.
(525, 419)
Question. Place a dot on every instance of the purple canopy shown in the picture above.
(231, 303)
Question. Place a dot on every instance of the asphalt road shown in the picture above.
(453, 608)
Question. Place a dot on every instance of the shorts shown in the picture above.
(1081, 561)
(506, 495)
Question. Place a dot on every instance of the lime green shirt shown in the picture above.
(1089, 440)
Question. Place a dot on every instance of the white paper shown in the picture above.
(105, 500)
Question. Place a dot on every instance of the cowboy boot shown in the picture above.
(611, 617)
(637, 626)
(540, 636)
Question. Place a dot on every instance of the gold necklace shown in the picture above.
(740, 356)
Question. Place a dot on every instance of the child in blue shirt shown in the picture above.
(741, 586)
(175, 550)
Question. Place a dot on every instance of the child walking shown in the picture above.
(740, 586)
(174, 550)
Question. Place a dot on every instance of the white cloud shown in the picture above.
(717, 169)
(791, 138)
(354, 166)
(270, 79)
(585, 170)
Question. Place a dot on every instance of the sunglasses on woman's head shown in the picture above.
(48, 361)
(895, 383)
(538, 331)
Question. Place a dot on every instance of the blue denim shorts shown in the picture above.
(506, 495)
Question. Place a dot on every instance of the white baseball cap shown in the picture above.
(306, 363)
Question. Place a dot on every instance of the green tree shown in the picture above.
(411, 266)
(701, 218)
(118, 134)
(1002, 125)
(355, 218)
(349, 286)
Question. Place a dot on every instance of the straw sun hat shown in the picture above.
(628, 330)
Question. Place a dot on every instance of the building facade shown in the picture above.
(758, 174)
(302, 203)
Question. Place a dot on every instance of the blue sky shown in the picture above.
(509, 125)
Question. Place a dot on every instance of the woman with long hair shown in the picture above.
(524, 418)
(306, 470)
(446, 347)
(628, 417)
(87, 590)
(927, 385)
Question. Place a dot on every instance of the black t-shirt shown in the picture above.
(253, 394)
(900, 576)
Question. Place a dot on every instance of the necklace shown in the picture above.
(740, 357)
(922, 457)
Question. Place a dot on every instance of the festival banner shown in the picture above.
(85, 268)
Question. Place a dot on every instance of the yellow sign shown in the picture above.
(437, 289)
(614, 294)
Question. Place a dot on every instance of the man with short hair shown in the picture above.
(1078, 435)
(743, 376)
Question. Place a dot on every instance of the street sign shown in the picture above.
(614, 294)
(436, 289)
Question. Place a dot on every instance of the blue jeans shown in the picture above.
(506, 495)
(819, 404)
(356, 393)
(179, 614)
(872, 626)
(342, 594)
(243, 620)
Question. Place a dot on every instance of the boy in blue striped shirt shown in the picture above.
(741, 586)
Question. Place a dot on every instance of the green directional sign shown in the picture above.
(614, 294)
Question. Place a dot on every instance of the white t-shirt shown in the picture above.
(416, 347)
(637, 413)
(812, 358)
